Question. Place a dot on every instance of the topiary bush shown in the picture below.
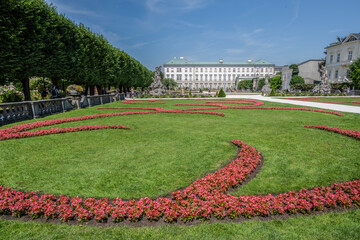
(221, 93)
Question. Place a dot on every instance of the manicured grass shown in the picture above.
(339, 100)
(162, 152)
(343, 225)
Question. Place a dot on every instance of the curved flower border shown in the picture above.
(203, 199)
(350, 133)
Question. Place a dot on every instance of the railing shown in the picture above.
(20, 111)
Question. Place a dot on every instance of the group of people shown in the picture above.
(54, 92)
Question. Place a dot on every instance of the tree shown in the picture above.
(275, 82)
(169, 83)
(355, 73)
(245, 84)
(221, 93)
(295, 69)
(297, 80)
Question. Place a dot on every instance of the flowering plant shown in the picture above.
(74, 87)
(10, 94)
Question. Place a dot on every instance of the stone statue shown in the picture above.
(323, 73)
(266, 89)
(156, 87)
(324, 87)
(255, 84)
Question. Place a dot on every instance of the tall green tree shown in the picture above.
(355, 73)
(295, 69)
(275, 82)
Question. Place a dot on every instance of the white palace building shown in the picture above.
(215, 75)
(340, 55)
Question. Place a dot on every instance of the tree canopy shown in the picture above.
(37, 41)
(275, 82)
(295, 69)
(355, 73)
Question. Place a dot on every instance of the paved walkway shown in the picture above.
(329, 106)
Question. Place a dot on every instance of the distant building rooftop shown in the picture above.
(183, 61)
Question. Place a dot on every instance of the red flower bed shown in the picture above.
(356, 102)
(18, 131)
(350, 133)
(204, 198)
(44, 132)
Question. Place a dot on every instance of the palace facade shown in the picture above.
(340, 55)
(215, 75)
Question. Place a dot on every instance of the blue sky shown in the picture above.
(155, 31)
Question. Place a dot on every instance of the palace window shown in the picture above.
(178, 77)
(331, 58)
(336, 74)
(185, 69)
(197, 77)
(350, 55)
(178, 69)
(210, 69)
(338, 57)
(186, 77)
(329, 74)
(201, 70)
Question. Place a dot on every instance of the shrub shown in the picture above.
(74, 87)
(275, 82)
(10, 94)
(221, 93)
(272, 93)
(297, 80)
(245, 84)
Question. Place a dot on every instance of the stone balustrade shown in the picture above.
(20, 111)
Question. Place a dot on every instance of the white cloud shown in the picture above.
(165, 6)
(139, 45)
(234, 50)
(62, 8)
(296, 13)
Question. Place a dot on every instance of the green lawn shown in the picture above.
(163, 152)
(339, 100)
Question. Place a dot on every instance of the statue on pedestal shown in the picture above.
(156, 87)
(324, 87)
(266, 89)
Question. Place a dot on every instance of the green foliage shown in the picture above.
(221, 93)
(245, 84)
(40, 84)
(10, 94)
(169, 83)
(37, 41)
(272, 93)
(295, 69)
(275, 82)
(355, 73)
(261, 83)
(200, 90)
(297, 80)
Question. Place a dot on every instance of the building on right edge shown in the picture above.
(340, 55)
